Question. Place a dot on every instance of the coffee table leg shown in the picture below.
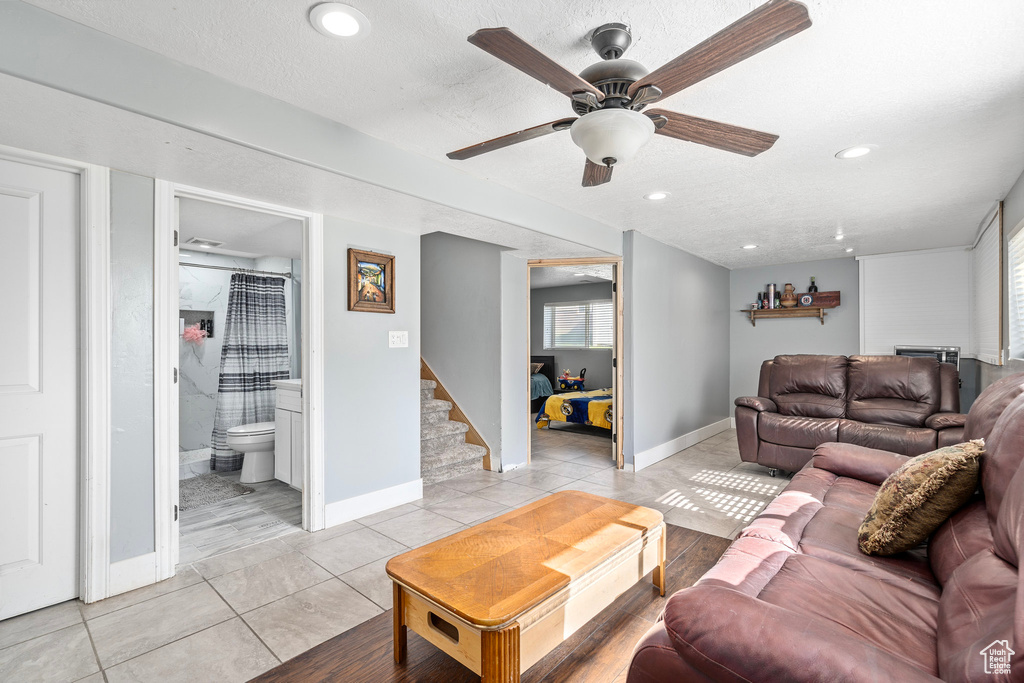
(659, 571)
(400, 633)
(499, 656)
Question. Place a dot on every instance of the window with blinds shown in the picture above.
(579, 325)
(1015, 255)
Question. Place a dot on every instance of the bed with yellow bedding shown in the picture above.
(592, 408)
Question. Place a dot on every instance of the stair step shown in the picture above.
(461, 453)
(433, 418)
(431, 405)
(439, 429)
(440, 444)
(428, 384)
(426, 394)
(439, 475)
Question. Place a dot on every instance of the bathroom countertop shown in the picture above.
(288, 384)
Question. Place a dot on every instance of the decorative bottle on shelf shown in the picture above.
(764, 300)
(813, 288)
(789, 297)
(770, 295)
(778, 299)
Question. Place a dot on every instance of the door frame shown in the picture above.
(617, 384)
(166, 360)
(94, 365)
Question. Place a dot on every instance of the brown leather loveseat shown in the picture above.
(794, 599)
(897, 403)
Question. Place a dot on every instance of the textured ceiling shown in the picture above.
(246, 233)
(563, 276)
(938, 85)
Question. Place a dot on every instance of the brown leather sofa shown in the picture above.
(793, 598)
(896, 403)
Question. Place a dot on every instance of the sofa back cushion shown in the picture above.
(1004, 450)
(987, 408)
(809, 386)
(895, 390)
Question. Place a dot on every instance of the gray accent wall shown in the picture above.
(132, 523)
(751, 345)
(461, 325)
(598, 362)
(371, 392)
(676, 329)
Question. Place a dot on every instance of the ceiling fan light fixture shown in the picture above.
(339, 21)
(611, 136)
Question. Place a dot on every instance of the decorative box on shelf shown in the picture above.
(820, 301)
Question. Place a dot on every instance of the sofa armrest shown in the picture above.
(945, 420)
(728, 635)
(858, 462)
(757, 403)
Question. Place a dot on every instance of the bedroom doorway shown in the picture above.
(574, 342)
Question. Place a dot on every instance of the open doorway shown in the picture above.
(240, 331)
(240, 379)
(574, 341)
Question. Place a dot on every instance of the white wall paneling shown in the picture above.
(986, 291)
(915, 298)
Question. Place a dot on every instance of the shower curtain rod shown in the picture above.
(234, 269)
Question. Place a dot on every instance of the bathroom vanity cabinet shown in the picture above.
(288, 432)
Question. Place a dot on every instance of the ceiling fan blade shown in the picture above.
(510, 139)
(713, 134)
(510, 48)
(767, 25)
(596, 174)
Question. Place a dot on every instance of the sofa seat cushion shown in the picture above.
(896, 439)
(891, 618)
(792, 430)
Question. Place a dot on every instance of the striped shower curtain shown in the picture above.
(255, 353)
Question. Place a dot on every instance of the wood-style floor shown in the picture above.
(598, 652)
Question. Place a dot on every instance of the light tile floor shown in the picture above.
(230, 616)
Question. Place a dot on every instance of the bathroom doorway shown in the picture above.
(242, 449)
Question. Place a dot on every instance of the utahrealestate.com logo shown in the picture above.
(997, 657)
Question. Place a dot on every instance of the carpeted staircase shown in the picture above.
(444, 453)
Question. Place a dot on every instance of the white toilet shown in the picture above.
(256, 442)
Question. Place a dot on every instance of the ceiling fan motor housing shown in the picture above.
(612, 78)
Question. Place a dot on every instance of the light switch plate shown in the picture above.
(398, 339)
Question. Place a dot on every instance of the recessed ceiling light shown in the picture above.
(750, 246)
(656, 196)
(854, 152)
(578, 274)
(339, 21)
(839, 237)
(849, 249)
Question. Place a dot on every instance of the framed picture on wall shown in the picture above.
(371, 282)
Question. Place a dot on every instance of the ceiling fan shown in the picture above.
(609, 95)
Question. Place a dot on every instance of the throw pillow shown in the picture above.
(535, 368)
(915, 499)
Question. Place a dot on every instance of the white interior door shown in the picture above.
(39, 385)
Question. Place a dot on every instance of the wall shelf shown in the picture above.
(798, 312)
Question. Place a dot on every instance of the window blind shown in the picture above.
(985, 285)
(579, 325)
(1016, 275)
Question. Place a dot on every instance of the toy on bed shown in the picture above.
(592, 408)
(568, 383)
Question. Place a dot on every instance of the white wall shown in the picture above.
(515, 380)
(598, 362)
(371, 392)
(676, 327)
(749, 346)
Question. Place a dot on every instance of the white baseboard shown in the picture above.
(732, 423)
(359, 506)
(669, 448)
(135, 572)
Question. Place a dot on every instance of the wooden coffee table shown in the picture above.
(500, 595)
